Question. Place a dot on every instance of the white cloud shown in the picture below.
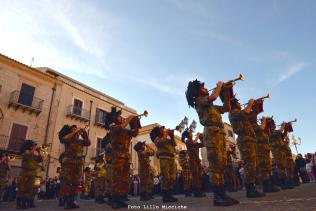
(292, 70)
(64, 35)
(174, 85)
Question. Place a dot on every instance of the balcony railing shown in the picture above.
(10, 144)
(23, 101)
(78, 113)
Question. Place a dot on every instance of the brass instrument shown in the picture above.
(83, 130)
(295, 120)
(135, 121)
(288, 126)
(262, 119)
(240, 77)
(43, 149)
(145, 114)
(11, 157)
(86, 127)
(261, 98)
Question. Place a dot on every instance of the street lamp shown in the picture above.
(296, 142)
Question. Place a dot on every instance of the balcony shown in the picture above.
(78, 113)
(10, 144)
(25, 102)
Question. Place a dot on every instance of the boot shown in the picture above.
(198, 193)
(73, 203)
(18, 203)
(223, 194)
(173, 199)
(218, 200)
(187, 193)
(143, 197)
(109, 202)
(61, 202)
(284, 184)
(166, 197)
(68, 204)
(31, 203)
(23, 203)
(125, 198)
(268, 187)
(150, 195)
(251, 191)
(99, 200)
(290, 183)
(115, 202)
(122, 200)
(229, 186)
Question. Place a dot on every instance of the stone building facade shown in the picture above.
(37, 102)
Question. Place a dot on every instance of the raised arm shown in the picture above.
(216, 92)
(127, 121)
(248, 109)
(69, 137)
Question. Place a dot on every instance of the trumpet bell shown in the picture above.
(269, 96)
(241, 77)
(146, 113)
(11, 157)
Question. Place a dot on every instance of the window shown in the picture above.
(17, 136)
(26, 95)
(100, 116)
(98, 147)
(77, 109)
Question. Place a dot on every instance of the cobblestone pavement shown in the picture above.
(300, 198)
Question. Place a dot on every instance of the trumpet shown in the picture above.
(260, 120)
(11, 157)
(145, 114)
(240, 77)
(295, 120)
(43, 148)
(259, 99)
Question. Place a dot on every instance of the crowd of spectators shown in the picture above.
(305, 168)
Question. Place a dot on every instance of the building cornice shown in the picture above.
(59, 78)
(14, 63)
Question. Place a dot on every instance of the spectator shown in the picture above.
(314, 164)
(309, 169)
(301, 166)
(42, 192)
(241, 173)
(135, 182)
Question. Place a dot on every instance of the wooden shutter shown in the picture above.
(77, 107)
(17, 136)
(97, 114)
(26, 95)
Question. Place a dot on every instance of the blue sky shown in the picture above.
(145, 52)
